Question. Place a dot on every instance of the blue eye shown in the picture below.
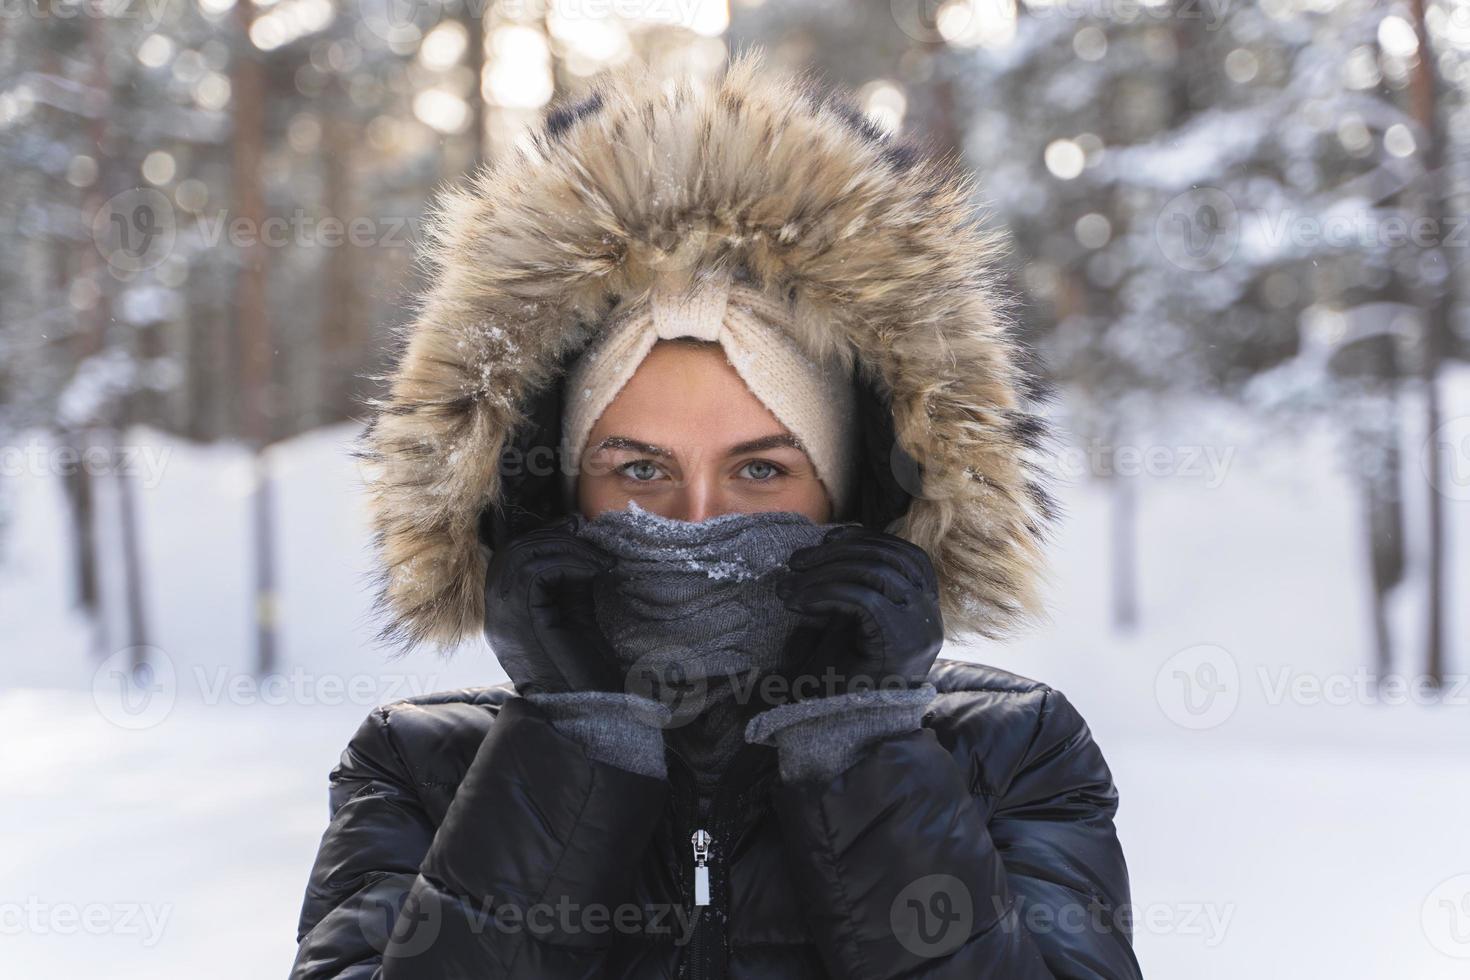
(772, 470)
(627, 470)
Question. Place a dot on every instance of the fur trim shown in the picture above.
(647, 180)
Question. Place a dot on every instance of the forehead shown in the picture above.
(688, 389)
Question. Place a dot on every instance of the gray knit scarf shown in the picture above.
(690, 612)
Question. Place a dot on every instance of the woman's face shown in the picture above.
(688, 440)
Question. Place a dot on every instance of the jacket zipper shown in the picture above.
(709, 820)
(701, 841)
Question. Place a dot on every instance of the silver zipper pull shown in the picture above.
(701, 841)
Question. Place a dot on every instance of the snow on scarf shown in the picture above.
(690, 605)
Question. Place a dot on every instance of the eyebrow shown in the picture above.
(749, 446)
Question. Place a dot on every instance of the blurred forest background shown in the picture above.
(1239, 235)
(212, 208)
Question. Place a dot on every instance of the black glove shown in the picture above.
(539, 615)
(875, 602)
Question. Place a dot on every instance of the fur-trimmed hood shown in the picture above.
(877, 248)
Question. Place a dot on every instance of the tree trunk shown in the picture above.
(251, 311)
(1423, 106)
(1123, 530)
(473, 18)
(78, 483)
(88, 342)
(1383, 507)
(342, 318)
(134, 605)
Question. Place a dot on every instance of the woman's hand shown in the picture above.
(876, 597)
(539, 615)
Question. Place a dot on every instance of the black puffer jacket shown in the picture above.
(981, 845)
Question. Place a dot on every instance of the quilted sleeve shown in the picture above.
(906, 874)
(535, 825)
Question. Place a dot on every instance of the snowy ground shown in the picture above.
(1279, 819)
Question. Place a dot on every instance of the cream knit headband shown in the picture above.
(815, 401)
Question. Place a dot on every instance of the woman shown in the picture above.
(749, 323)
